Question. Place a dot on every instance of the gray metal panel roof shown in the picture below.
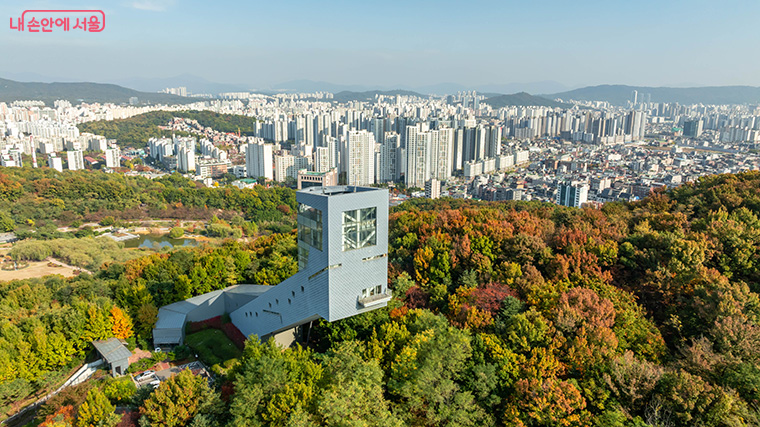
(201, 299)
(112, 350)
(167, 336)
(248, 289)
(170, 319)
(180, 307)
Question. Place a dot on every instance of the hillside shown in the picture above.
(503, 314)
(620, 94)
(522, 99)
(75, 93)
(137, 130)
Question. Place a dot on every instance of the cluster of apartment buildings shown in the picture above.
(455, 145)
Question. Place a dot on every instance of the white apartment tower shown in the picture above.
(55, 162)
(361, 158)
(75, 160)
(259, 160)
(186, 160)
(429, 154)
(113, 157)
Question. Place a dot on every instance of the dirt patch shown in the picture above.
(138, 355)
(36, 269)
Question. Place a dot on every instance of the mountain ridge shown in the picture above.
(11, 90)
(620, 94)
(522, 99)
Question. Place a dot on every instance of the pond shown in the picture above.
(158, 241)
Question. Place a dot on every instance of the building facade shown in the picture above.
(342, 260)
(573, 194)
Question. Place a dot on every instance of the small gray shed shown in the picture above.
(115, 354)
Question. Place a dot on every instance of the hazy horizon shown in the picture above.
(396, 44)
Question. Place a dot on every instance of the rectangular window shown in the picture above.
(310, 226)
(359, 228)
(303, 256)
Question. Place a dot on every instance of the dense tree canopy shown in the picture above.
(136, 131)
(516, 314)
(47, 198)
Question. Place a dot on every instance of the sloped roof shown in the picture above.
(112, 350)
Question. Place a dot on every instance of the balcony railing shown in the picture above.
(374, 300)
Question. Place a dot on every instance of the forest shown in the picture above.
(34, 202)
(136, 131)
(505, 314)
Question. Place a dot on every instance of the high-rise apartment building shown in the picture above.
(433, 189)
(113, 157)
(75, 160)
(573, 194)
(259, 160)
(692, 128)
(55, 162)
(360, 169)
(185, 160)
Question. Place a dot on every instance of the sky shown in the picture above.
(398, 43)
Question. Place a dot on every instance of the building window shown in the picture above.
(370, 292)
(310, 226)
(359, 228)
(303, 256)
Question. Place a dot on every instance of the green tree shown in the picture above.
(424, 374)
(177, 400)
(7, 223)
(97, 411)
(274, 386)
(176, 232)
(349, 383)
(120, 391)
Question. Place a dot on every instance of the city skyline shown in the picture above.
(396, 44)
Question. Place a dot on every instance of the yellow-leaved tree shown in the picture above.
(121, 323)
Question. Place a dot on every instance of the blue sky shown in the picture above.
(387, 43)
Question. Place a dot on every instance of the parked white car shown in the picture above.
(144, 375)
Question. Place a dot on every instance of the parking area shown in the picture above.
(146, 378)
(155, 378)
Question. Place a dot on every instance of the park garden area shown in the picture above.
(213, 347)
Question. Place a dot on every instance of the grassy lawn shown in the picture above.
(212, 346)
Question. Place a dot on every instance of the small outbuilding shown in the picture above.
(115, 355)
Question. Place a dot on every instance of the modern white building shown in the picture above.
(11, 158)
(342, 271)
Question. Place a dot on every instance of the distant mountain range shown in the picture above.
(621, 94)
(348, 96)
(194, 84)
(75, 92)
(522, 99)
(434, 89)
(11, 90)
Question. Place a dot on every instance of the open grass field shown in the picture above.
(36, 269)
(212, 346)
